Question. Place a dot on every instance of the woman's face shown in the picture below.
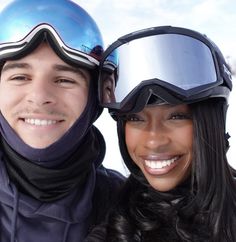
(159, 140)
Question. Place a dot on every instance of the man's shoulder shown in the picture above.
(109, 175)
(108, 184)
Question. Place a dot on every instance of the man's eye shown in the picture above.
(65, 81)
(19, 78)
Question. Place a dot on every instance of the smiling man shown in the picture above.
(42, 103)
(52, 184)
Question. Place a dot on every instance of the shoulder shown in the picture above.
(114, 178)
(107, 187)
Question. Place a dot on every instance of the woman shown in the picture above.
(170, 102)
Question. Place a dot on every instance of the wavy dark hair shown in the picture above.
(201, 209)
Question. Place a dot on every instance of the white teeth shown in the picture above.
(159, 164)
(40, 122)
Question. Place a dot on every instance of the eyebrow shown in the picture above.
(57, 67)
(9, 66)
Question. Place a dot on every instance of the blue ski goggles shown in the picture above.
(174, 64)
(69, 29)
(44, 31)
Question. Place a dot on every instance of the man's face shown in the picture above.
(41, 96)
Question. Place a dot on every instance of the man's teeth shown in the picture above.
(40, 122)
(160, 164)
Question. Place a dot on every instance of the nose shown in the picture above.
(156, 136)
(40, 93)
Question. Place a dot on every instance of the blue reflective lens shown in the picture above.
(73, 24)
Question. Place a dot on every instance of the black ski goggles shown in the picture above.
(175, 64)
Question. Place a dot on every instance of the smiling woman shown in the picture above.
(159, 141)
(171, 117)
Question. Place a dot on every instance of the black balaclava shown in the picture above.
(64, 164)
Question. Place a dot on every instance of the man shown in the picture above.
(52, 184)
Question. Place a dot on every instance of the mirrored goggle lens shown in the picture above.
(177, 62)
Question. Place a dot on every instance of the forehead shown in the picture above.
(42, 52)
(164, 106)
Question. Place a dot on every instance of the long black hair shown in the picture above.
(202, 208)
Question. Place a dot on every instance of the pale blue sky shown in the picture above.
(215, 18)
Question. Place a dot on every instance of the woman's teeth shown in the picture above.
(160, 164)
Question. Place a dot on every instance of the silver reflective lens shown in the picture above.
(176, 61)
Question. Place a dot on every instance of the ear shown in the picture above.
(108, 89)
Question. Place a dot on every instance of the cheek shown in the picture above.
(77, 101)
(8, 99)
(2, 98)
(128, 136)
(189, 136)
(185, 138)
(132, 139)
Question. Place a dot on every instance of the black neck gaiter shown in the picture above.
(51, 173)
(47, 184)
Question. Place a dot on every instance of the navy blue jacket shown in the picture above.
(24, 219)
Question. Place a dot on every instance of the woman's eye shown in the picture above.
(133, 118)
(180, 116)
